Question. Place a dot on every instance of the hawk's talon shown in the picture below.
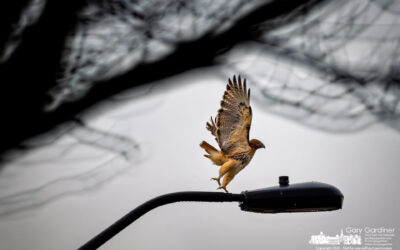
(216, 179)
(224, 188)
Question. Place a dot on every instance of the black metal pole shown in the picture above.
(125, 221)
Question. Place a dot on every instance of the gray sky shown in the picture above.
(168, 124)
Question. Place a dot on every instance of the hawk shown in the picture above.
(231, 129)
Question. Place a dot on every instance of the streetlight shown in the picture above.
(302, 197)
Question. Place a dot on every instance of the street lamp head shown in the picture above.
(285, 198)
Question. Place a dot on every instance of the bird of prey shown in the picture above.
(231, 129)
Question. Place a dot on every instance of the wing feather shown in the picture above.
(233, 121)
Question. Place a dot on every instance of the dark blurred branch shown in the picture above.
(29, 73)
(35, 63)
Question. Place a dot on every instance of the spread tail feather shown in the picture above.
(208, 148)
(213, 154)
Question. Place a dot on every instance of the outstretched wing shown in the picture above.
(232, 124)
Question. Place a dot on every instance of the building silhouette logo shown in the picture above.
(322, 239)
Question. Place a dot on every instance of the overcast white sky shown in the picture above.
(168, 124)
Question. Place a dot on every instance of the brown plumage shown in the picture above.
(231, 129)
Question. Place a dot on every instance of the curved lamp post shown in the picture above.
(302, 197)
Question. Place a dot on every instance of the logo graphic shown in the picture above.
(322, 239)
(356, 238)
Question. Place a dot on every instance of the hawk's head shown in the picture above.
(256, 144)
